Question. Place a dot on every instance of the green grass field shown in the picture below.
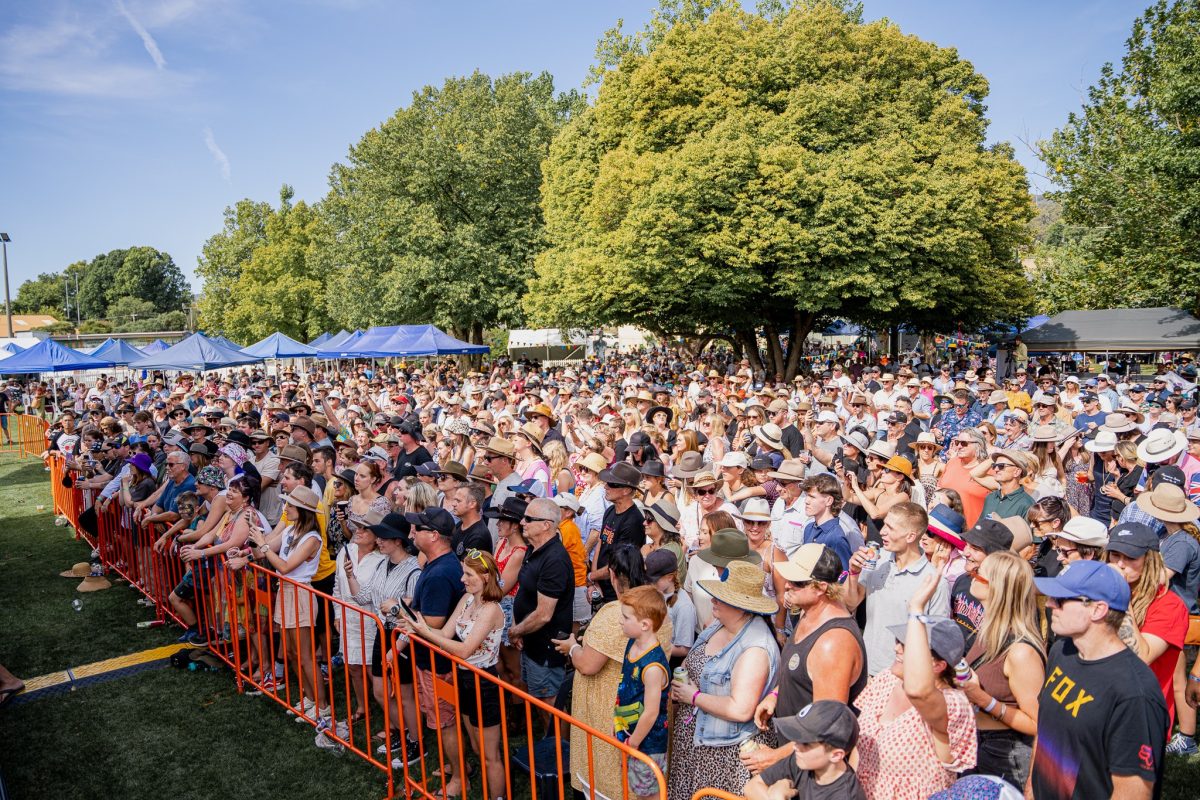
(161, 733)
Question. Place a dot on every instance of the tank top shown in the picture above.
(991, 675)
(489, 650)
(795, 684)
(304, 572)
(502, 556)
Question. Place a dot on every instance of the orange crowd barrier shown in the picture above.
(23, 434)
(716, 794)
(234, 605)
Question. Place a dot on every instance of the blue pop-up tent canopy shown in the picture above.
(157, 346)
(50, 356)
(339, 346)
(320, 340)
(407, 340)
(10, 349)
(221, 340)
(279, 346)
(117, 351)
(197, 352)
(432, 341)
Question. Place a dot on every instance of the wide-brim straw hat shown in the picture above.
(770, 435)
(531, 432)
(303, 497)
(1044, 433)
(1169, 504)
(79, 570)
(742, 588)
(793, 469)
(901, 465)
(94, 583)
(925, 439)
(593, 461)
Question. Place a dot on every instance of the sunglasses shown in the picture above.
(1064, 551)
(797, 586)
(528, 519)
(1000, 466)
(705, 492)
(1059, 602)
(616, 486)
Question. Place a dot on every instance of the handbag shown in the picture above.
(1193, 631)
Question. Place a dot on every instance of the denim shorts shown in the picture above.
(1004, 754)
(542, 682)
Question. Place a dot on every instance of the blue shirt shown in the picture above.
(169, 499)
(631, 699)
(830, 534)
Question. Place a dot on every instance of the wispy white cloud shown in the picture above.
(147, 40)
(218, 154)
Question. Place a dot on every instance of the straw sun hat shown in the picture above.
(742, 588)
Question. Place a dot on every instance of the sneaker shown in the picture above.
(268, 684)
(397, 742)
(304, 709)
(1182, 745)
(325, 743)
(197, 638)
(342, 728)
(187, 636)
(146, 601)
(337, 662)
(313, 713)
(412, 751)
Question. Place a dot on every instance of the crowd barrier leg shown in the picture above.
(23, 434)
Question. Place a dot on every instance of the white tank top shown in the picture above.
(304, 572)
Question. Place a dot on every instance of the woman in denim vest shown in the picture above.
(728, 671)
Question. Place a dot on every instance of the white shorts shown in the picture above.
(581, 610)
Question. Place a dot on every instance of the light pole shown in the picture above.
(4, 240)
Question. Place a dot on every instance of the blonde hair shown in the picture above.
(691, 443)
(556, 457)
(718, 425)
(420, 497)
(1147, 587)
(1011, 614)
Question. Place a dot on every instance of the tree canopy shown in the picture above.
(1128, 171)
(435, 217)
(747, 174)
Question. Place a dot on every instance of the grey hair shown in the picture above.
(975, 436)
(544, 508)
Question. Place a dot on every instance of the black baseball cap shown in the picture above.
(1133, 539)
(434, 519)
(1167, 473)
(827, 722)
(989, 535)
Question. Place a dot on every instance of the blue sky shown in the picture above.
(136, 122)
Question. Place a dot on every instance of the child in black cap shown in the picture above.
(822, 734)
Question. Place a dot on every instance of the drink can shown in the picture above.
(680, 675)
(962, 671)
(748, 746)
(873, 561)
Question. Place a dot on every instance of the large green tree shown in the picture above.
(141, 275)
(1128, 169)
(435, 216)
(747, 174)
(264, 272)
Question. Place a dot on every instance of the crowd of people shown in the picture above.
(904, 581)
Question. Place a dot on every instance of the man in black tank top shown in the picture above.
(826, 659)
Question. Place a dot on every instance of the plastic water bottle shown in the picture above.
(77, 604)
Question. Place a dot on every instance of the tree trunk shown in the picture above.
(774, 352)
(476, 338)
(695, 344)
(802, 325)
(748, 339)
(894, 350)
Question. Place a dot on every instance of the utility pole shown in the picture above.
(76, 299)
(4, 240)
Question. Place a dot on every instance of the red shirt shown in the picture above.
(1167, 618)
(972, 492)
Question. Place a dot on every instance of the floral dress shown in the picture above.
(1079, 495)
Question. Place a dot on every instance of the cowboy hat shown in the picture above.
(1168, 503)
(883, 449)
(303, 497)
(532, 432)
(622, 474)
(94, 583)
(856, 439)
(1160, 445)
(656, 409)
(901, 465)
(790, 470)
(666, 514)
(704, 479)
(742, 589)
(452, 468)
(1117, 423)
(689, 465)
(1105, 442)
(770, 435)
(756, 510)
(728, 545)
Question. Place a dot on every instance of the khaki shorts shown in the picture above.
(438, 713)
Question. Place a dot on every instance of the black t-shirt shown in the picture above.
(966, 610)
(407, 463)
(793, 441)
(1097, 719)
(437, 592)
(473, 537)
(548, 571)
(616, 529)
(845, 787)
(3, 401)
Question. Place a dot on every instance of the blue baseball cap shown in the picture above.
(1094, 580)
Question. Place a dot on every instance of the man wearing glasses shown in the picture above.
(500, 459)
(1102, 720)
(960, 417)
(542, 608)
(623, 523)
(1010, 499)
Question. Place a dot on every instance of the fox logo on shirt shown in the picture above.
(1062, 692)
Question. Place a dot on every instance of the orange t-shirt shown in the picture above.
(574, 544)
(973, 494)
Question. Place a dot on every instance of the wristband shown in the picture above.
(697, 694)
(990, 706)
(1194, 678)
(775, 693)
(574, 647)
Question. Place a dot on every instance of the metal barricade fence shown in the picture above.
(715, 794)
(547, 758)
(23, 434)
(234, 609)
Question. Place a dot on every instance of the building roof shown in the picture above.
(24, 323)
